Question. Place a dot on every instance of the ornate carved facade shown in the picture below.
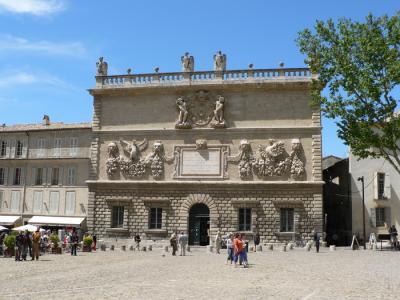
(247, 143)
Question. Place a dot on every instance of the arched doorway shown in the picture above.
(199, 224)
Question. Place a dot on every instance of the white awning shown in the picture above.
(56, 221)
(9, 220)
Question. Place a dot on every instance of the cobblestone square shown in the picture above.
(296, 274)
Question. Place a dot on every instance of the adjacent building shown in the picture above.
(382, 202)
(43, 173)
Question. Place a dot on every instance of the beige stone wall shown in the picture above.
(223, 205)
(250, 108)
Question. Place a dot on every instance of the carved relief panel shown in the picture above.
(201, 109)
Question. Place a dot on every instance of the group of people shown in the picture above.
(182, 240)
(236, 246)
(27, 243)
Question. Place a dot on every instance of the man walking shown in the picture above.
(36, 236)
(174, 243)
(316, 240)
(183, 240)
(74, 242)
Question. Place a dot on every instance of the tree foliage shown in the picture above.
(358, 64)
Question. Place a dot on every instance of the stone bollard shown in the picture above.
(270, 247)
(123, 248)
(131, 248)
(103, 247)
(307, 246)
(259, 248)
(210, 249)
(332, 248)
(283, 248)
(166, 249)
(150, 248)
(187, 248)
(143, 249)
(112, 248)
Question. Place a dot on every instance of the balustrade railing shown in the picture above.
(230, 75)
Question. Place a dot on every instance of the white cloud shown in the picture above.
(12, 43)
(34, 7)
(23, 78)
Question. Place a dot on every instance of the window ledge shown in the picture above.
(286, 233)
(160, 231)
(117, 230)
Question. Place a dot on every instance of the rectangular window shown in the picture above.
(380, 216)
(57, 147)
(40, 147)
(15, 201)
(71, 178)
(244, 219)
(55, 174)
(54, 202)
(39, 176)
(17, 176)
(117, 220)
(3, 149)
(70, 203)
(2, 176)
(155, 218)
(381, 185)
(18, 149)
(37, 201)
(287, 219)
(73, 146)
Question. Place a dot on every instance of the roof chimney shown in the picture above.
(46, 120)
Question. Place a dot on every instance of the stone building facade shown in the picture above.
(204, 152)
(43, 172)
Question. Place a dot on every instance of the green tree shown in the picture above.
(358, 67)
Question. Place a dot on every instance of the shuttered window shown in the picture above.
(70, 203)
(37, 202)
(54, 202)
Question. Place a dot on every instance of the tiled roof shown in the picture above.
(40, 126)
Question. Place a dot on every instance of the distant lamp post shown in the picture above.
(363, 213)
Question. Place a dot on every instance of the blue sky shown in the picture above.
(48, 48)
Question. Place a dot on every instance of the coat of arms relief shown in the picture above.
(201, 109)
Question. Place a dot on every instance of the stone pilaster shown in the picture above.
(317, 157)
(96, 113)
(316, 118)
(94, 158)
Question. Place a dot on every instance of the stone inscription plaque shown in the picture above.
(201, 162)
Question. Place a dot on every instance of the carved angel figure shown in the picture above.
(182, 121)
(219, 61)
(112, 163)
(218, 120)
(134, 149)
(102, 67)
(187, 62)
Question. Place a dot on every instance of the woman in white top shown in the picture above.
(229, 246)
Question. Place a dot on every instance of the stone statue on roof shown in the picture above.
(187, 62)
(102, 67)
(219, 61)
